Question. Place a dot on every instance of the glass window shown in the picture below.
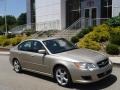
(87, 13)
(106, 8)
(37, 46)
(25, 46)
(94, 13)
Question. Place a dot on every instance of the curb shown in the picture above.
(4, 53)
(115, 60)
(116, 65)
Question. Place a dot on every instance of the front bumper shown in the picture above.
(80, 76)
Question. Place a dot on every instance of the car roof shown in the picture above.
(44, 39)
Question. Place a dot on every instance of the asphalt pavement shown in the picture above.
(9, 80)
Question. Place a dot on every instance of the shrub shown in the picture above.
(84, 31)
(6, 42)
(102, 27)
(115, 21)
(74, 39)
(112, 49)
(10, 36)
(88, 43)
(2, 38)
(115, 36)
(16, 40)
(100, 33)
(93, 36)
(28, 32)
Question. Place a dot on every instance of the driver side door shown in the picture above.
(37, 59)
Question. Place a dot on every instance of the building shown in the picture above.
(60, 14)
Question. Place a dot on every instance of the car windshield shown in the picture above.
(59, 45)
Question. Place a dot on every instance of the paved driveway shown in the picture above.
(9, 80)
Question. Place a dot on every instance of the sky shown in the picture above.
(13, 7)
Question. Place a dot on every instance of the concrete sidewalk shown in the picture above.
(115, 60)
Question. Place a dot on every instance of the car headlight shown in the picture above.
(86, 66)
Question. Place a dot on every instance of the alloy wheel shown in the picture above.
(62, 76)
(17, 66)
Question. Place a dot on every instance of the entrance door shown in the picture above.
(87, 17)
(90, 17)
(94, 15)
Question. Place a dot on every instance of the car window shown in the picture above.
(25, 46)
(37, 46)
(58, 45)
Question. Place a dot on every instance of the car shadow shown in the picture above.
(108, 81)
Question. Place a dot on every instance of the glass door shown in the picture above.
(90, 17)
(87, 17)
(94, 15)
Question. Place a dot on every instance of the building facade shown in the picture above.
(60, 14)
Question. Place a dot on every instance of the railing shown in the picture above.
(80, 23)
(86, 22)
(55, 25)
(45, 26)
(20, 29)
(50, 25)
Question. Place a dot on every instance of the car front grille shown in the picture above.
(103, 63)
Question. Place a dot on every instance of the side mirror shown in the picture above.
(42, 51)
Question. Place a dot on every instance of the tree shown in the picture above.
(1, 20)
(11, 20)
(22, 19)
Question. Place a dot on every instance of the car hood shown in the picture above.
(83, 55)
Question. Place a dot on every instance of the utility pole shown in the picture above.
(6, 31)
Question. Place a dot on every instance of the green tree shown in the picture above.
(11, 20)
(22, 19)
(1, 20)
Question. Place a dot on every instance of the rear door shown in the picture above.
(31, 59)
(25, 54)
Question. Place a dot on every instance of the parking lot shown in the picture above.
(9, 80)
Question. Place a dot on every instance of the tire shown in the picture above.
(62, 76)
(17, 66)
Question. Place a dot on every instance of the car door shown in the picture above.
(24, 51)
(37, 59)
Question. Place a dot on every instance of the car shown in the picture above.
(60, 59)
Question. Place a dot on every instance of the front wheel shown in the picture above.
(17, 66)
(62, 76)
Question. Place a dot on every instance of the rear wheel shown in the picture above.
(62, 76)
(17, 66)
